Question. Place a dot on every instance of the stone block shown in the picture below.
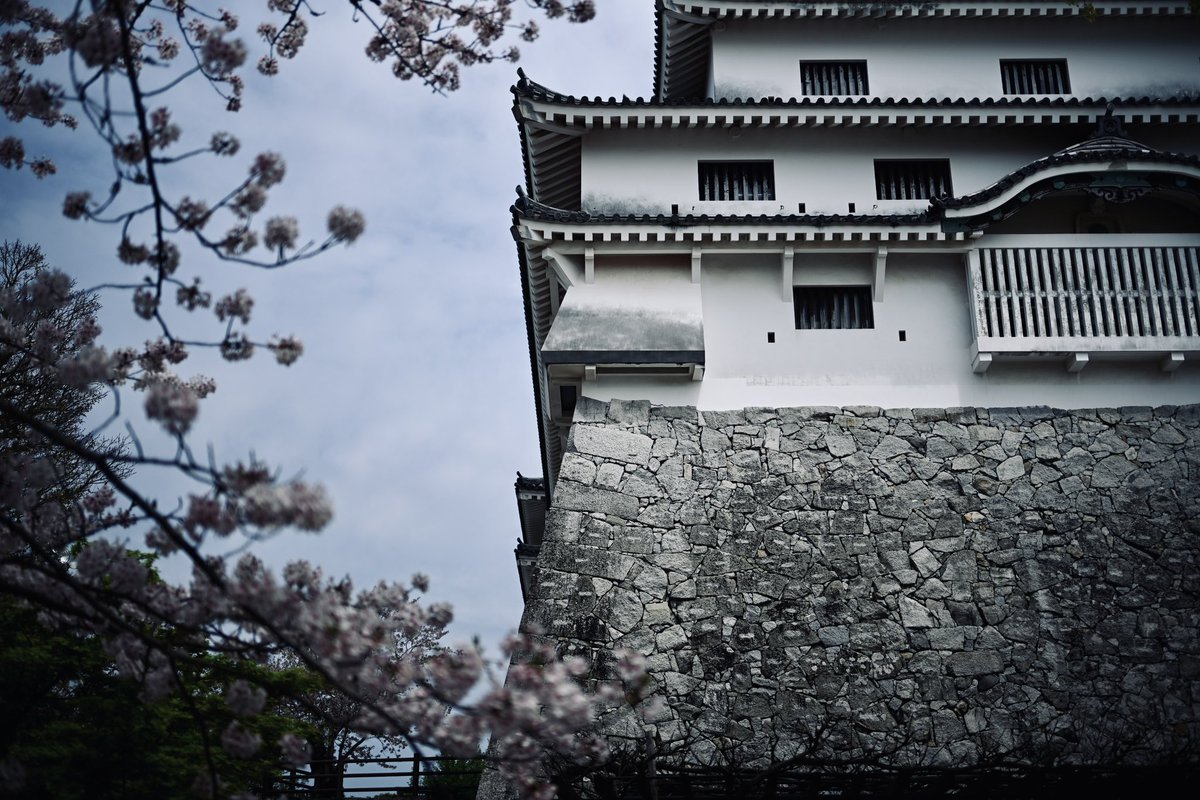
(914, 614)
(975, 662)
(1010, 469)
(611, 444)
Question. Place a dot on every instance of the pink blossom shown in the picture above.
(145, 303)
(296, 751)
(222, 56)
(166, 257)
(268, 169)
(12, 152)
(173, 405)
(239, 742)
(236, 347)
(163, 132)
(346, 224)
(89, 365)
(75, 206)
(192, 214)
(224, 144)
(249, 200)
(42, 167)
(208, 514)
(191, 298)
(131, 253)
(243, 699)
(168, 49)
(281, 233)
(239, 240)
(286, 349)
(202, 385)
(298, 504)
(235, 306)
(159, 352)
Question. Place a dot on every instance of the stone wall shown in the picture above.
(912, 585)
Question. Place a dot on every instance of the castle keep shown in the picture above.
(864, 362)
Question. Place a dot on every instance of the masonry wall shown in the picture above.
(937, 586)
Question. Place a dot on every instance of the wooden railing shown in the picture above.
(1076, 301)
(426, 778)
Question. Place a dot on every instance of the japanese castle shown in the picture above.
(864, 359)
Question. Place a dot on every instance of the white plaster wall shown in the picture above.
(646, 171)
(1125, 56)
(925, 295)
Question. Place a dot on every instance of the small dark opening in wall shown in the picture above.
(802, 211)
(903, 336)
(674, 209)
(567, 397)
(770, 337)
(833, 307)
(852, 208)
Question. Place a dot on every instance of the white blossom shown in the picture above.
(239, 742)
(296, 751)
(268, 169)
(243, 699)
(173, 405)
(346, 224)
(145, 303)
(235, 306)
(281, 233)
(286, 349)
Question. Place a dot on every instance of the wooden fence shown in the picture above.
(427, 777)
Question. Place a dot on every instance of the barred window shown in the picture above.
(833, 77)
(912, 179)
(737, 180)
(1035, 77)
(832, 307)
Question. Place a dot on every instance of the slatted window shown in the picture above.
(833, 307)
(833, 77)
(912, 180)
(1035, 77)
(737, 180)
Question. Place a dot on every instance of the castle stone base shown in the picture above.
(937, 586)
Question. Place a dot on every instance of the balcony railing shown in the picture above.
(1077, 302)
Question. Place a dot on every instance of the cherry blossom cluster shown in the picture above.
(427, 40)
(82, 561)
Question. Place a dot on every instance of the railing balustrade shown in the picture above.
(1045, 300)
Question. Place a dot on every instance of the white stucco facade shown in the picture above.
(920, 57)
(1060, 267)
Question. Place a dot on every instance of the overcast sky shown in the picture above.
(413, 402)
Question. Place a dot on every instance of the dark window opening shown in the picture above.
(737, 180)
(903, 336)
(833, 77)
(912, 179)
(802, 207)
(833, 307)
(770, 337)
(567, 397)
(1035, 77)
(851, 207)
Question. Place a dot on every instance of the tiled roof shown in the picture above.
(1103, 149)
(681, 26)
(532, 209)
(526, 88)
